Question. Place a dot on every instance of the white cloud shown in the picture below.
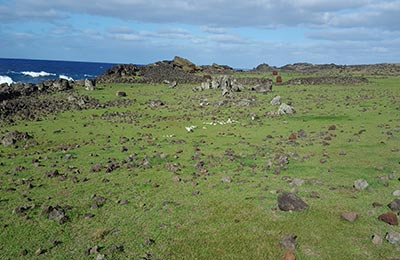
(217, 14)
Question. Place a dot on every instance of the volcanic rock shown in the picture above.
(288, 242)
(184, 64)
(360, 184)
(350, 216)
(56, 213)
(394, 205)
(276, 101)
(90, 84)
(393, 237)
(289, 201)
(285, 109)
(389, 218)
(121, 94)
(263, 88)
(14, 137)
(376, 239)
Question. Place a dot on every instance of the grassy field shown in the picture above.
(210, 193)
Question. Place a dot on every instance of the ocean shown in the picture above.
(35, 71)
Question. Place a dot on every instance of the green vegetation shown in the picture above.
(206, 194)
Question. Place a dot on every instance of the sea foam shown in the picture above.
(66, 77)
(6, 79)
(37, 74)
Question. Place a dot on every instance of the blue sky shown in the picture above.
(238, 33)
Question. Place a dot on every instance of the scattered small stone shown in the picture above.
(56, 213)
(23, 252)
(20, 210)
(394, 205)
(292, 136)
(332, 127)
(393, 237)
(360, 184)
(289, 201)
(342, 152)
(39, 252)
(68, 156)
(98, 201)
(297, 182)
(97, 168)
(226, 179)
(396, 193)
(55, 242)
(94, 250)
(350, 216)
(376, 204)
(196, 192)
(100, 257)
(149, 241)
(121, 94)
(176, 179)
(288, 242)
(379, 168)
(376, 239)
(89, 215)
(301, 133)
(124, 202)
(115, 248)
(389, 218)
(276, 101)
(52, 174)
(315, 195)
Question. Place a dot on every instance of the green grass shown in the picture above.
(237, 220)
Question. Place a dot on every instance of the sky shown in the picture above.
(238, 33)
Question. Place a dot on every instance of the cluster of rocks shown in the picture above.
(284, 109)
(228, 84)
(178, 70)
(19, 89)
(33, 107)
(14, 137)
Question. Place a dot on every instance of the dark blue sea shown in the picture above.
(34, 71)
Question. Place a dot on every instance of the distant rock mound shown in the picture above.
(264, 68)
(180, 70)
(389, 69)
(329, 80)
(217, 69)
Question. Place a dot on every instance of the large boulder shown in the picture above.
(90, 84)
(13, 137)
(276, 101)
(285, 109)
(263, 88)
(185, 64)
(60, 85)
(394, 205)
(289, 201)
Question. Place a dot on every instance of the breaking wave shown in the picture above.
(66, 77)
(6, 79)
(37, 74)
